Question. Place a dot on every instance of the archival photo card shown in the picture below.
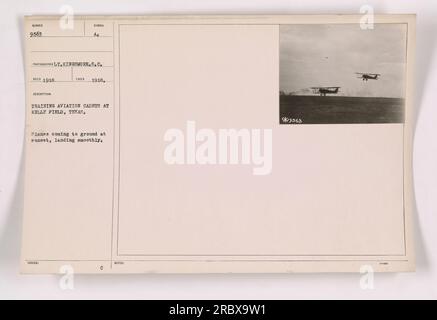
(153, 144)
(342, 73)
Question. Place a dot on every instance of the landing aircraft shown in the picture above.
(323, 91)
(367, 76)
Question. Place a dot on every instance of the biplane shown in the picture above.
(367, 76)
(323, 91)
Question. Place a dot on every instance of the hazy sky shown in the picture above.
(329, 55)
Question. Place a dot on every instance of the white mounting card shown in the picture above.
(213, 144)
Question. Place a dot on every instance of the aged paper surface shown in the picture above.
(218, 144)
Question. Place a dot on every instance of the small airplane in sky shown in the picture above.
(367, 76)
(323, 91)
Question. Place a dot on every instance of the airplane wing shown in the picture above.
(330, 87)
(325, 87)
(367, 74)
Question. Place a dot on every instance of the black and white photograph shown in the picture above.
(342, 73)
